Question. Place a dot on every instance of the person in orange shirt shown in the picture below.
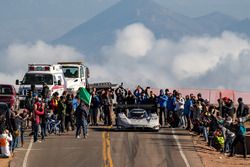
(5, 139)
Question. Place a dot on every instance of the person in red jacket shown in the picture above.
(38, 111)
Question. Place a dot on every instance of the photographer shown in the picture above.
(137, 93)
(121, 94)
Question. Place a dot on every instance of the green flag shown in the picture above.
(85, 95)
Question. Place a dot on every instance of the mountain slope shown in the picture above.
(100, 30)
(242, 27)
(216, 22)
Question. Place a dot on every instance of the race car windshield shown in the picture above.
(137, 114)
(38, 79)
(70, 71)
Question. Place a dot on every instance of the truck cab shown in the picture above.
(76, 75)
(9, 96)
(38, 74)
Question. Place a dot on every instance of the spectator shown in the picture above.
(229, 135)
(62, 112)
(37, 113)
(143, 99)
(121, 94)
(152, 101)
(151, 98)
(171, 109)
(137, 93)
(45, 92)
(227, 108)
(94, 107)
(179, 107)
(54, 103)
(75, 102)
(23, 118)
(5, 117)
(240, 137)
(33, 90)
(187, 112)
(5, 139)
(44, 120)
(107, 106)
(81, 115)
(69, 113)
(242, 110)
(130, 99)
(162, 101)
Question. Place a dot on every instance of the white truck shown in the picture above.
(76, 75)
(37, 74)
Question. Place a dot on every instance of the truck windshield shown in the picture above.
(70, 71)
(38, 79)
(5, 90)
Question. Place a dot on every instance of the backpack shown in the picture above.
(242, 130)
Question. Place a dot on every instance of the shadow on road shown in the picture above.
(114, 129)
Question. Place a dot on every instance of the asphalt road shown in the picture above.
(106, 147)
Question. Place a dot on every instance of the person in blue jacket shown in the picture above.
(162, 101)
(187, 112)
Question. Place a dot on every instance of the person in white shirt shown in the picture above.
(179, 107)
(5, 139)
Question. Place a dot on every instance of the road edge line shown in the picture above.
(180, 149)
(27, 153)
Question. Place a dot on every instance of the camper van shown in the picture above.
(37, 74)
(76, 75)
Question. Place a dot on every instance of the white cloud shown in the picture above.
(167, 63)
(17, 57)
(137, 57)
(135, 40)
(197, 55)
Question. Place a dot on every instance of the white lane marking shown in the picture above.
(66, 148)
(180, 149)
(23, 149)
(27, 153)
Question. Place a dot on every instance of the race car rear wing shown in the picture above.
(132, 106)
(102, 85)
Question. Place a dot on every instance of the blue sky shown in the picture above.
(236, 8)
(84, 9)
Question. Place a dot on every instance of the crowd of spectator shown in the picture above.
(221, 125)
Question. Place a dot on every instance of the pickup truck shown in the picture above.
(9, 96)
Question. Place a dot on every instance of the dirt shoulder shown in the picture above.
(5, 162)
(210, 157)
